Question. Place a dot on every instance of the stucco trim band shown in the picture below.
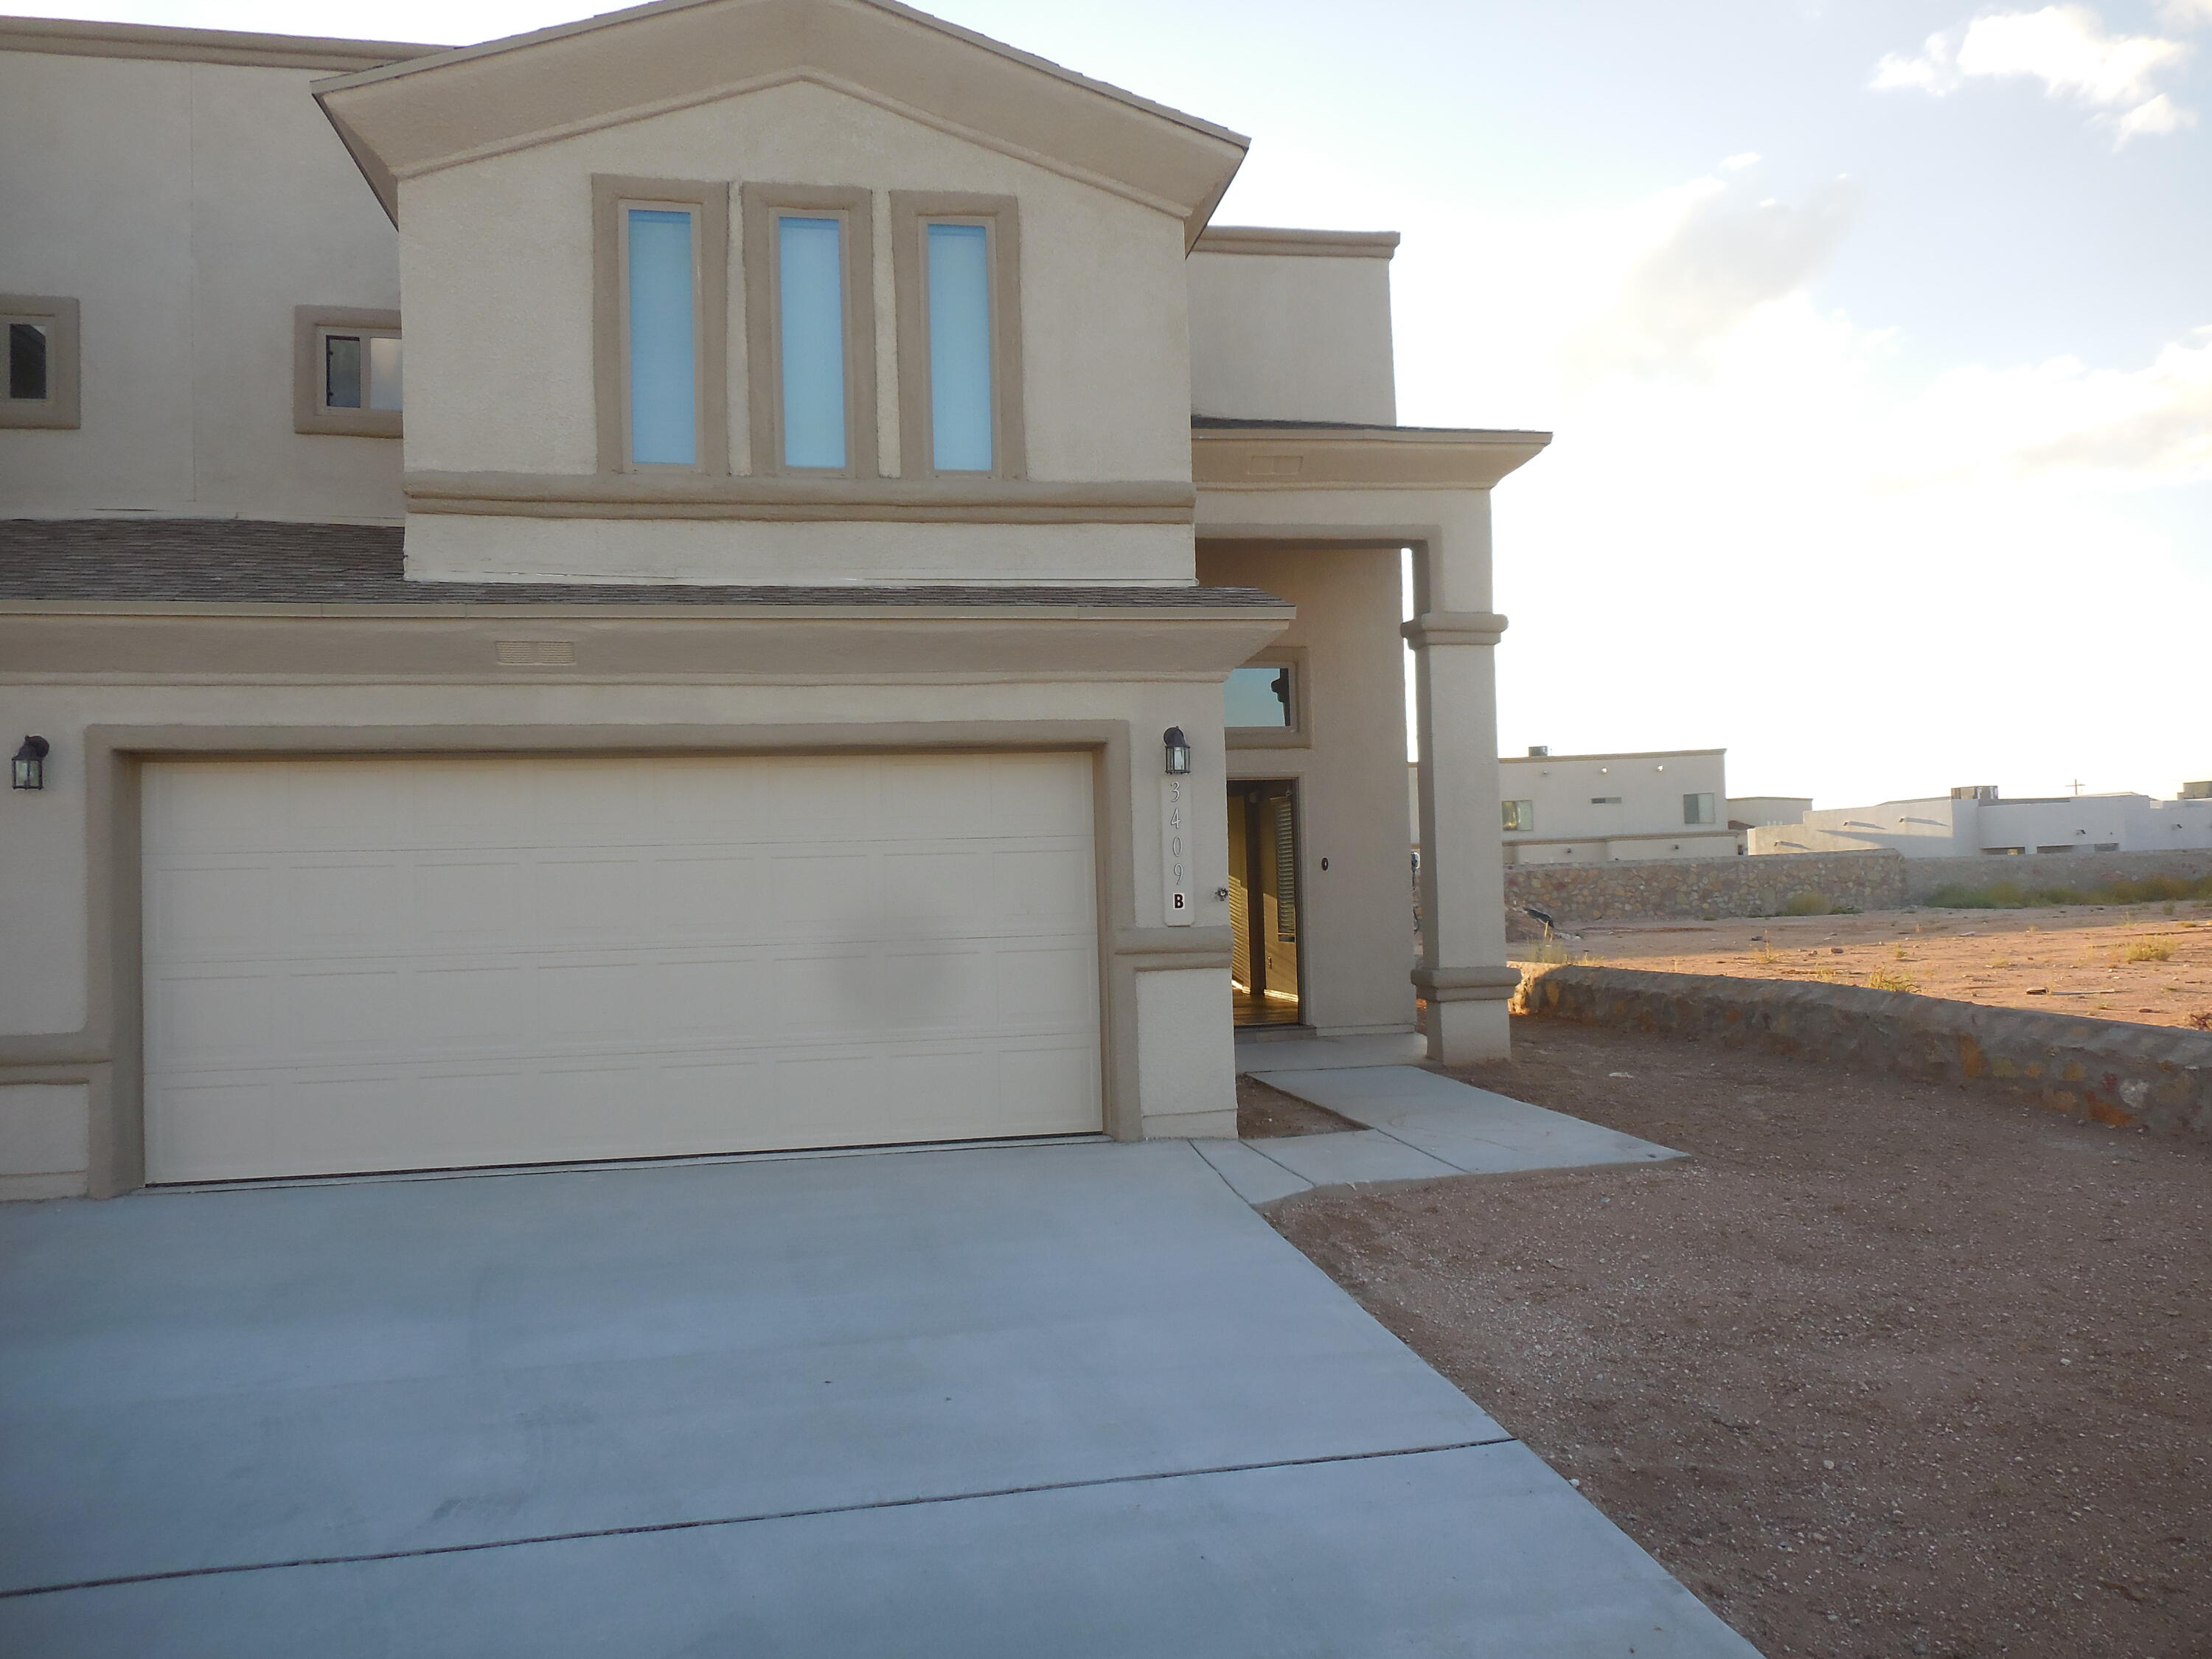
(1368, 458)
(65, 37)
(1454, 628)
(1467, 984)
(953, 499)
(1278, 243)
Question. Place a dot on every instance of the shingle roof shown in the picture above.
(251, 562)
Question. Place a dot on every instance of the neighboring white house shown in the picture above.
(857, 617)
(1977, 819)
(1592, 809)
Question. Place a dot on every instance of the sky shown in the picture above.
(1876, 335)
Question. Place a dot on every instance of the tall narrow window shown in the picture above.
(39, 379)
(347, 380)
(957, 263)
(811, 305)
(960, 348)
(661, 288)
(660, 292)
(28, 345)
(811, 328)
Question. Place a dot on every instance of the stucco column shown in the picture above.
(1462, 975)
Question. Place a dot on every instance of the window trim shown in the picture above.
(1296, 734)
(912, 214)
(62, 408)
(310, 415)
(709, 200)
(762, 204)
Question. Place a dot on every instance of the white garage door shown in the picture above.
(427, 963)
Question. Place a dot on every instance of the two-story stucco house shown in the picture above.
(741, 574)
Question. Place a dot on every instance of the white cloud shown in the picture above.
(2185, 13)
(1723, 249)
(2068, 50)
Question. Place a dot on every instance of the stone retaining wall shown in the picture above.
(2032, 869)
(2149, 1076)
(1707, 887)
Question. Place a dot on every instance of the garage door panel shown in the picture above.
(211, 1017)
(198, 907)
(1043, 890)
(467, 903)
(1050, 987)
(333, 908)
(708, 955)
(1030, 796)
(344, 1013)
(709, 897)
(820, 897)
(462, 1006)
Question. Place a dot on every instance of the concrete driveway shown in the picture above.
(1074, 1400)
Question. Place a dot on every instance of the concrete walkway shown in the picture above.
(1076, 1400)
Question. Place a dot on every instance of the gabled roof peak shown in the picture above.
(426, 114)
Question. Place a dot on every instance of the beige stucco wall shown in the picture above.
(188, 208)
(497, 255)
(1298, 337)
(1356, 937)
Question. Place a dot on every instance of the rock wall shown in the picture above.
(2147, 1076)
(2033, 870)
(1707, 887)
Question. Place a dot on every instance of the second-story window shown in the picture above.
(960, 419)
(810, 330)
(38, 381)
(348, 377)
(1698, 809)
(1520, 815)
(660, 295)
(659, 319)
(811, 306)
(958, 265)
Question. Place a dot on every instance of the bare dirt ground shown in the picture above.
(1263, 1114)
(1885, 1368)
(2074, 959)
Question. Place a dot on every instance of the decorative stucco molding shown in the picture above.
(1454, 628)
(952, 499)
(1496, 984)
(1278, 458)
(67, 38)
(408, 120)
(1267, 241)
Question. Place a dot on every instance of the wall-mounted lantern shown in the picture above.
(29, 771)
(1178, 748)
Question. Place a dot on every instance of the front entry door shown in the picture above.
(1263, 900)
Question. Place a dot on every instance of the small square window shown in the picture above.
(1263, 704)
(348, 374)
(1698, 809)
(1520, 815)
(1261, 696)
(40, 385)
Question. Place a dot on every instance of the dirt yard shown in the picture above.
(2141, 965)
(1885, 1368)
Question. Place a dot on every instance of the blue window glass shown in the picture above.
(810, 296)
(1257, 696)
(960, 348)
(663, 366)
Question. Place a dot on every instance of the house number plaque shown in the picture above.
(1175, 849)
